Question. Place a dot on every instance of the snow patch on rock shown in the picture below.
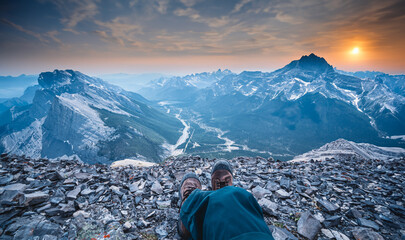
(343, 148)
(26, 142)
(132, 162)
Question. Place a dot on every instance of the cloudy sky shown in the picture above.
(186, 36)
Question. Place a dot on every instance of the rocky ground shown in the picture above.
(334, 199)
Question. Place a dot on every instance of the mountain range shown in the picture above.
(181, 88)
(77, 116)
(294, 109)
(282, 114)
(14, 86)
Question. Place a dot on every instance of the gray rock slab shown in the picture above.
(281, 193)
(57, 197)
(47, 228)
(308, 226)
(332, 221)
(25, 228)
(7, 215)
(368, 223)
(83, 176)
(339, 235)
(116, 190)
(10, 197)
(157, 188)
(268, 207)
(366, 234)
(133, 187)
(35, 198)
(6, 179)
(328, 233)
(264, 202)
(260, 192)
(285, 183)
(86, 191)
(16, 187)
(281, 234)
(353, 213)
(327, 206)
(68, 209)
(73, 194)
(272, 186)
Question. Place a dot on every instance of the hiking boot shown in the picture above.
(189, 183)
(221, 175)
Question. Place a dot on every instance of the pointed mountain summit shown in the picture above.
(56, 78)
(311, 63)
(73, 82)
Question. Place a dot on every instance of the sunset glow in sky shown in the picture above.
(186, 36)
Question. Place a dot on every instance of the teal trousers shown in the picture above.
(227, 213)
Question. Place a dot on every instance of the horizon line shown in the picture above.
(183, 74)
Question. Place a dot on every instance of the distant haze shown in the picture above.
(187, 36)
(131, 82)
(15, 86)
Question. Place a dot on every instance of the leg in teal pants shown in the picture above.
(227, 213)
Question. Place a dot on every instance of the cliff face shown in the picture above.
(336, 199)
(72, 131)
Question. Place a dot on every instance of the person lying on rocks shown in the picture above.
(226, 212)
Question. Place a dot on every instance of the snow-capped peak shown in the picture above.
(57, 78)
(310, 63)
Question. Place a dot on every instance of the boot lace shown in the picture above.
(188, 190)
(220, 184)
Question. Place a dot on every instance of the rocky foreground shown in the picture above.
(334, 199)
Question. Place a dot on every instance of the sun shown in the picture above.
(355, 51)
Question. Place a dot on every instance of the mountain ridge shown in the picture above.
(69, 115)
(374, 107)
(297, 108)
